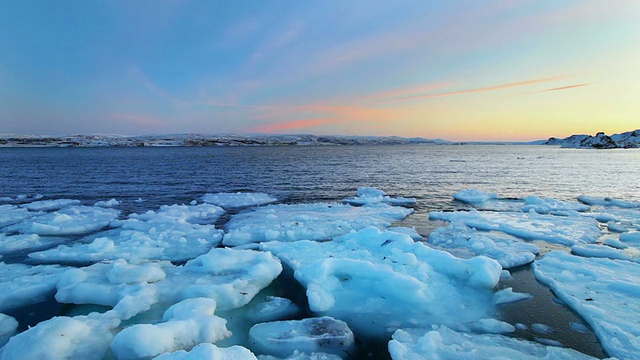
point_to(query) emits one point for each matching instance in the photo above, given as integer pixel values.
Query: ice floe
(77, 338)
(173, 233)
(8, 326)
(369, 195)
(32, 242)
(23, 284)
(564, 230)
(107, 203)
(231, 277)
(606, 201)
(238, 199)
(507, 295)
(474, 196)
(603, 251)
(49, 205)
(11, 214)
(273, 308)
(72, 220)
(184, 325)
(208, 351)
(508, 250)
(604, 292)
(552, 206)
(317, 221)
(282, 338)
(444, 343)
(378, 281)
(542, 205)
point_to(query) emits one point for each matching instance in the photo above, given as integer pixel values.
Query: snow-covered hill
(204, 140)
(629, 139)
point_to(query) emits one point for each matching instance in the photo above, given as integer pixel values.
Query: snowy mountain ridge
(629, 139)
(205, 140)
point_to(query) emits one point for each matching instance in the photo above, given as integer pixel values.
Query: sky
(458, 70)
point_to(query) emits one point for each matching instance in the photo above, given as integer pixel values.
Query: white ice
(77, 338)
(11, 214)
(604, 292)
(370, 195)
(49, 205)
(323, 334)
(32, 242)
(507, 295)
(107, 204)
(303, 356)
(378, 281)
(206, 351)
(603, 251)
(8, 326)
(552, 206)
(72, 220)
(318, 221)
(238, 199)
(273, 308)
(24, 284)
(564, 230)
(184, 325)
(606, 201)
(173, 233)
(542, 329)
(231, 277)
(474, 196)
(444, 343)
(508, 250)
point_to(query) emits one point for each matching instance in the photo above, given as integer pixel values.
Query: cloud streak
(561, 88)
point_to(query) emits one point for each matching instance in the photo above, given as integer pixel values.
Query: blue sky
(460, 70)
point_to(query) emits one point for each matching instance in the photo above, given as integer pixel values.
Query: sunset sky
(459, 70)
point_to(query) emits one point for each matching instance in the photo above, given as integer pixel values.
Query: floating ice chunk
(508, 250)
(508, 296)
(369, 195)
(107, 204)
(24, 284)
(11, 214)
(605, 201)
(505, 275)
(239, 199)
(125, 287)
(474, 196)
(207, 351)
(49, 205)
(631, 238)
(31, 242)
(192, 214)
(378, 281)
(231, 277)
(542, 329)
(615, 227)
(601, 251)
(579, 327)
(73, 220)
(615, 243)
(274, 308)
(604, 292)
(303, 356)
(551, 206)
(564, 230)
(318, 221)
(492, 326)
(184, 325)
(444, 343)
(549, 342)
(282, 338)
(173, 233)
(77, 338)
(8, 326)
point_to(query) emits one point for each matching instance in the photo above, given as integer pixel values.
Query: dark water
(431, 174)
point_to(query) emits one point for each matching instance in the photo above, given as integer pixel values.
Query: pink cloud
(562, 88)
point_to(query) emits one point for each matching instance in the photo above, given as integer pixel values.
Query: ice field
(242, 275)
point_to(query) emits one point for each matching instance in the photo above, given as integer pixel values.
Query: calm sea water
(431, 174)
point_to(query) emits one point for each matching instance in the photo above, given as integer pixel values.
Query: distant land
(626, 140)
(629, 139)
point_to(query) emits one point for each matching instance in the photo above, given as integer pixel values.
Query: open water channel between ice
(534, 213)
